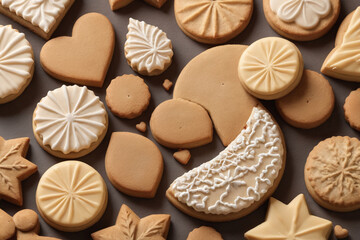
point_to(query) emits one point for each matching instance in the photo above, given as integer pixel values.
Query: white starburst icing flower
(147, 48)
(70, 118)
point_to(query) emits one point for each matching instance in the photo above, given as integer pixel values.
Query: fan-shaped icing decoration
(71, 195)
(70, 119)
(305, 13)
(240, 175)
(147, 48)
(16, 61)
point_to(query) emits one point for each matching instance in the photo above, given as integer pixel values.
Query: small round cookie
(270, 68)
(26, 220)
(301, 20)
(213, 22)
(351, 109)
(70, 122)
(71, 196)
(16, 63)
(313, 92)
(332, 174)
(128, 96)
(204, 233)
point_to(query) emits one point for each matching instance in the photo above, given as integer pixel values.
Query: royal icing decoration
(16, 61)
(147, 48)
(70, 119)
(238, 176)
(305, 13)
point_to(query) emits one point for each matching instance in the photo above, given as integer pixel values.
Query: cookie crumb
(167, 84)
(340, 232)
(141, 126)
(182, 156)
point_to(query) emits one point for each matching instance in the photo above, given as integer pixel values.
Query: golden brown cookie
(116, 4)
(129, 226)
(156, 3)
(167, 84)
(340, 232)
(213, 22)
(128, 96)
(182, 156)
(332, 174)
(351, 109)
(204, 233)
(134, 164)
(301, 20)
(313, 92)
(7, 225)
(141, 127)
(179, 123)
(83, 58)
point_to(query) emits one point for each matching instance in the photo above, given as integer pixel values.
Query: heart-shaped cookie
(340, 232)
(83, 58)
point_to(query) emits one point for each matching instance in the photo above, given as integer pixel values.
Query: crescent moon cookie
(301, 20)
(332, 172)
(239, 179)
(343, 62)
(41, 17)
(270, 68)
(70, 122)
(147, 48)
(16, 63)
(71, 196)
(213, 21)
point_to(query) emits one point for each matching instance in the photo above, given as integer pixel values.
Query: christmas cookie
(313, 92)
(204, 233)
(301, 20)
(134, 164)
(71, 196)
(213, 22)
(41, 17)
(147, 48)
(116, 4)
(16, 63)
(83, 58)
(332, 174)
(351, 109)
(270, 68)
(239, 179)
(70, 122)
(128, 96)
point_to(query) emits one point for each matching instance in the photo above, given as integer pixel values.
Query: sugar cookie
(141, 127)
(340, 232)
(351, 109)
(116, 4)
(7, 224)
(182, 156)
(204, 233)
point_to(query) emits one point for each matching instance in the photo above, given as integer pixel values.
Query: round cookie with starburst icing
(70, 122)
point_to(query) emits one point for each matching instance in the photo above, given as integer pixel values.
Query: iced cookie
(16, 63)
(270, 68)
(7, 225)
(71, 196)
(70, 122)
(128, 96)
(179, 123)
(129, 226)
(351, 109)
(213, 22)
(116, 4)
(239, 179)
(147, 49)
(182, 156)
(292, 221)
(313, 92)
(301, 20)
(41, 17)
(83, 58)
(14, 168)
(134, 164)
(331, 174)
(343, 61)
(204, 233)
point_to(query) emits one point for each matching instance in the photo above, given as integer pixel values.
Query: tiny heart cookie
(340, 232)
(83, 58)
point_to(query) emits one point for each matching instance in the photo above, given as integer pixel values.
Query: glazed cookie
(331, 174)
(313, 92)
(270, 68)
(292, 221)
(343, 61)
(301, 20)
(41, 17)
(128, 96)
(213, 22)
(179, 123)
(116, 4)
(71, 196)
(239, 179)
(70, 122)
(133, 164)
(147, 48)
(16, 63)
(351, 109)
(129, 226)
(204, 233)
(83, 58)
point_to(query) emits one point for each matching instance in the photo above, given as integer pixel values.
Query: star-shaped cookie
(14, 168)
(129, 226)
(292, 221)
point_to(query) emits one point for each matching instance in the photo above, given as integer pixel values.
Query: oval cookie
(351, 109)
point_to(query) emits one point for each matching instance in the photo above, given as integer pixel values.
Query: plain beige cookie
(351, 109)
(204, 233)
